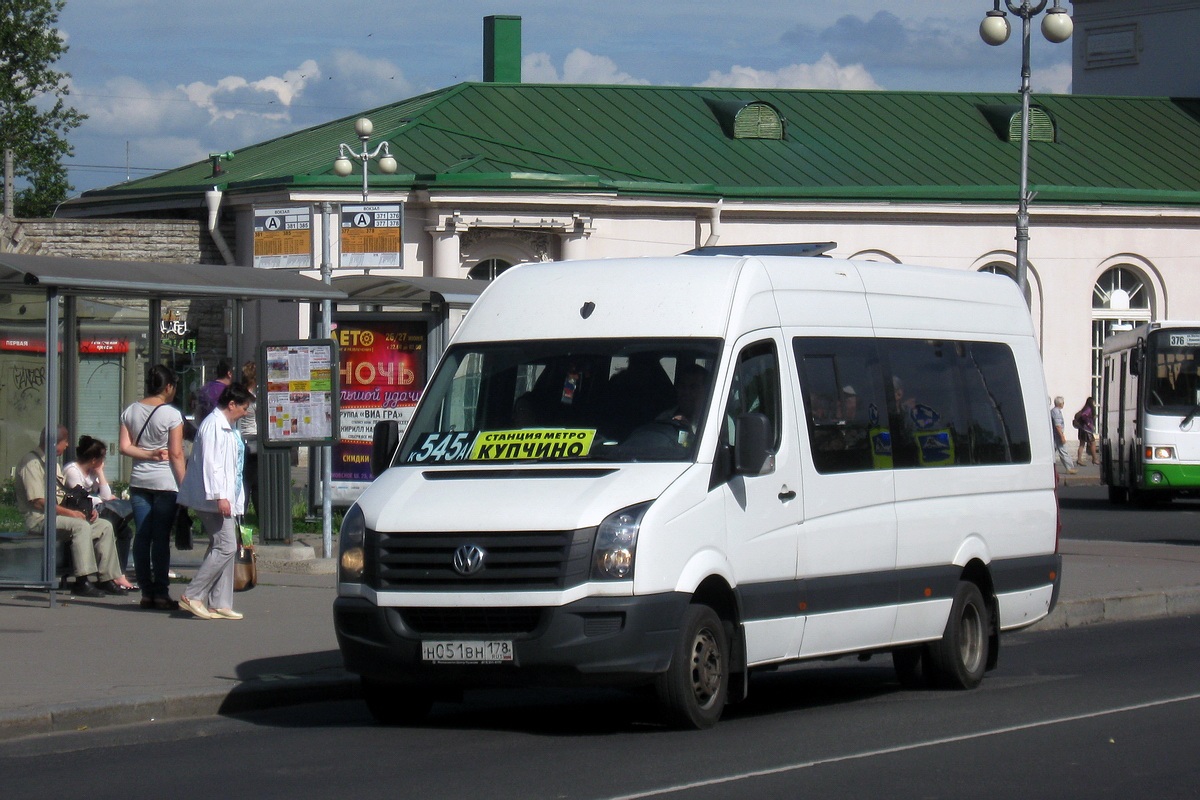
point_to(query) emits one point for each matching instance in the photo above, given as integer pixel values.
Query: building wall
(1142, 48)
(176, 240)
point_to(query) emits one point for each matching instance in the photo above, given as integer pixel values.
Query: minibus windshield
(564, 400)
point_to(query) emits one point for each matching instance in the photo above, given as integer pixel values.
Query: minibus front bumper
(597, 640)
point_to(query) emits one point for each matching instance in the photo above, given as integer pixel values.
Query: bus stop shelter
(45, 303)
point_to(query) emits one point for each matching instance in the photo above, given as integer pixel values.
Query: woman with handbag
(213, 489)
(152, 435)
(87, 473)
(1085, 423)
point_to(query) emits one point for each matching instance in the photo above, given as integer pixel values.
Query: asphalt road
(1101, 711)
(1087, 514)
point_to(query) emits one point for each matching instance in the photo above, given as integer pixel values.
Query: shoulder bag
(76, 498)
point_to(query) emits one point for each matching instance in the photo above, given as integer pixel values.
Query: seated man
(93, 549)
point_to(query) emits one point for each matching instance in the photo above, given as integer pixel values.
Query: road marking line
(683, 787)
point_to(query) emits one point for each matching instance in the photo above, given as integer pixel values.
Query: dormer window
(748, 119)
(1006, 122)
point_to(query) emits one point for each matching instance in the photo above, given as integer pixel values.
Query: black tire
(393, 704)
(960, 657)
(912, 666)
(1117, 495)
(694, 688)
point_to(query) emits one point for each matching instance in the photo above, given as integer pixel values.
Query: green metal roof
(646, 140)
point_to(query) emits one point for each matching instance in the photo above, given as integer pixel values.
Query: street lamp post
(343, 166)
(994, 30)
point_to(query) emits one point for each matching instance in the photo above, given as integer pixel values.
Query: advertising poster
(382, 374)
(301, 398)
(371, 236)
(283, 238)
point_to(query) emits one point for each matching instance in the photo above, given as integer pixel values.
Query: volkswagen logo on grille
(468, 559)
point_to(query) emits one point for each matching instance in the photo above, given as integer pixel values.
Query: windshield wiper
(1191, 416)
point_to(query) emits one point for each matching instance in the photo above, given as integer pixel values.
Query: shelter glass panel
(22, 417)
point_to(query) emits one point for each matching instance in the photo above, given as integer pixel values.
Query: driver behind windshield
(691, 390)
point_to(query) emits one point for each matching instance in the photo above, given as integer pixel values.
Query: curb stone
(245, 698)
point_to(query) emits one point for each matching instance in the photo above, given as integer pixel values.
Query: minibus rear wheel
(694, 688)
(960, 657)
(394, 704)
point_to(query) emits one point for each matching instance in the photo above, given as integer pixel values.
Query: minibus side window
(841, 383)
(955, 403)
(755, 389)
(927, 421)
(999, 431)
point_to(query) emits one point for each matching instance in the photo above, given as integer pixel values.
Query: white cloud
(356, 81)
(579, 66)
(124, 105)
(538, 68)
(1054, 79)
(234, 96)
(826, 73)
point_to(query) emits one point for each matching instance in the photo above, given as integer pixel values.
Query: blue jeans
(154, 518)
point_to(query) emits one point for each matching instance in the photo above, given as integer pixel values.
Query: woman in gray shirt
(152, 435)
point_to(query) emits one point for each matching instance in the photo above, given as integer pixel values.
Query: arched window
(999, 268)
(488, 269)
(1120, 300)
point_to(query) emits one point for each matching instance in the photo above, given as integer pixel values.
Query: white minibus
(674, 472)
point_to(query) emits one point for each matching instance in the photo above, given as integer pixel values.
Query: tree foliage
(34, 117)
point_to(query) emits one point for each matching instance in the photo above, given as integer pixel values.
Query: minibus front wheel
(960, 657)
(694, 688)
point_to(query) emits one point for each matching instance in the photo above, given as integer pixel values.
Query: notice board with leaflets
(298, 401)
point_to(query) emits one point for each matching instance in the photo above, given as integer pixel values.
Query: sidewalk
(1085, 475)
(87, 664)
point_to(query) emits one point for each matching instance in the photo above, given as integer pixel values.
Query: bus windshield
(1173, 362)
(564, 400)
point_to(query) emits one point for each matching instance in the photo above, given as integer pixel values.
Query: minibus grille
(461, 621)
(511, 560)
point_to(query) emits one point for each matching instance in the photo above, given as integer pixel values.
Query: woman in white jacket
(212, 487)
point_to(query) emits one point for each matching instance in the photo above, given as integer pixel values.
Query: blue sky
(166, 82)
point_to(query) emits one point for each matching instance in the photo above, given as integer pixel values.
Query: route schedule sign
(283, 238)
(371, 236)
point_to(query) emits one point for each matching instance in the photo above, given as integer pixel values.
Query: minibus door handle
(786, 494)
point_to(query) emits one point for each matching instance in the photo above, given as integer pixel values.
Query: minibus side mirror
(753, 436)
(385, 438)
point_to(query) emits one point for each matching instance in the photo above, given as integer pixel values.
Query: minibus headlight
(1160, 453)
(616, 544)
(351, 540)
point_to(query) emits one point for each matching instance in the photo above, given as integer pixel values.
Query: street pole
(343, 165)
(994, 30)
(1023, 201)
(327, 333)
